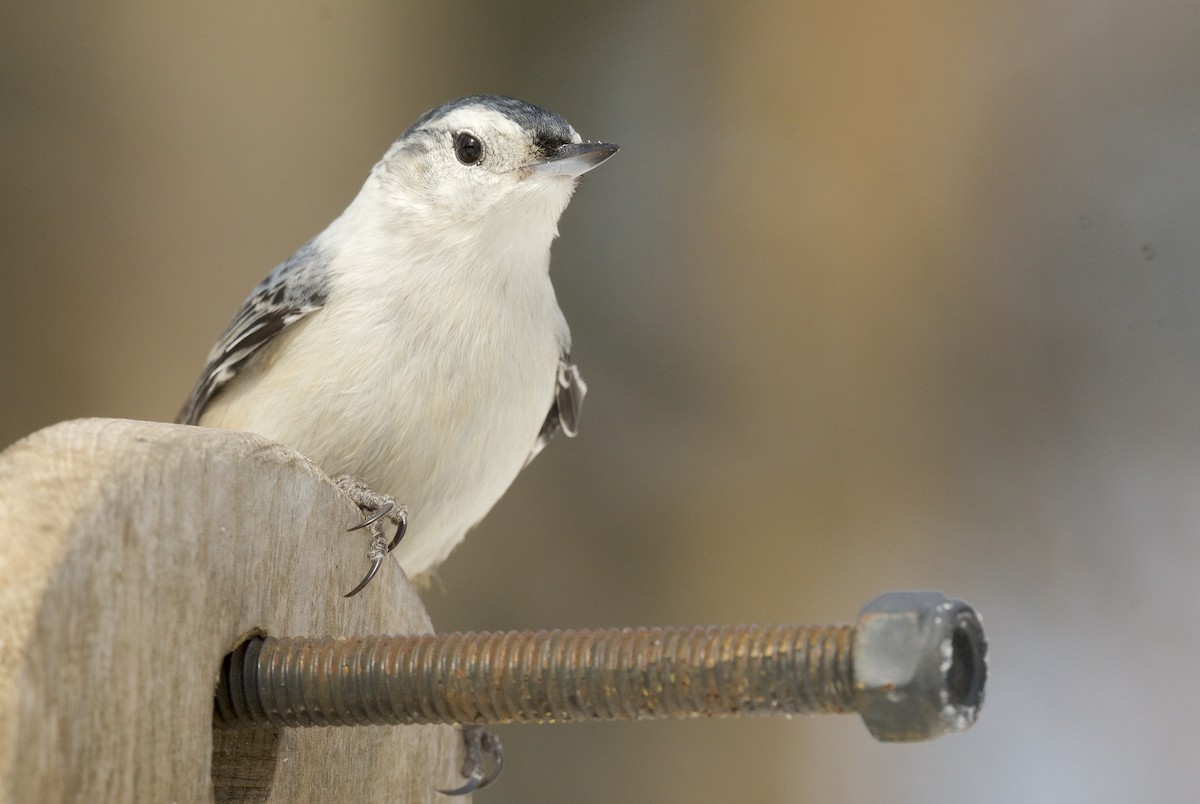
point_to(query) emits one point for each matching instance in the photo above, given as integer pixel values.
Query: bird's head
(485, 162)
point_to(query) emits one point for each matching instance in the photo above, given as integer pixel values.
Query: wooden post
(133, 557)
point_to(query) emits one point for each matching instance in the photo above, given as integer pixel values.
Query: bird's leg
(377, 507)
(476, 741)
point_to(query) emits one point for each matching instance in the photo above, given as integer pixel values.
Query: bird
(415, 346)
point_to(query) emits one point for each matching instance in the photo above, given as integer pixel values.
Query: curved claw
(474, 782)
(375, 565)
(491, 744)
(401, 528)
(383, 511)
(478, 740)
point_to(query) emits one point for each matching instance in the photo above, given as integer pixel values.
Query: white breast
(439, 409)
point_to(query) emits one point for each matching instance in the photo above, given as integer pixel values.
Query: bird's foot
(476, 741)
(376, 507)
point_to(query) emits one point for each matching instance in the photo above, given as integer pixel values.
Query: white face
(478, 164)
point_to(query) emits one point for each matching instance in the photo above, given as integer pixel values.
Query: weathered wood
(133, 557)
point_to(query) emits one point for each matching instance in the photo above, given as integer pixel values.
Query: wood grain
(133, 557)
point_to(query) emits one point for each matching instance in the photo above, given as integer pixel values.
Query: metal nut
(920, 665)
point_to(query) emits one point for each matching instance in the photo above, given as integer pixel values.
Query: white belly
(441, 414)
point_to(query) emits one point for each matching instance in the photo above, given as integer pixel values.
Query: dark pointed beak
(574, 158)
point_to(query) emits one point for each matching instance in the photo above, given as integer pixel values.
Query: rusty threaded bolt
(914, 666)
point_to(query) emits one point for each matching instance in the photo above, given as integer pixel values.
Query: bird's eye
(467, 148)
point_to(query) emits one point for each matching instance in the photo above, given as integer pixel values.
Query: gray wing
(292, 291)
(569, 389)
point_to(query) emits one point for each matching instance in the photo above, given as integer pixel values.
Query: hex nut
(920, 666)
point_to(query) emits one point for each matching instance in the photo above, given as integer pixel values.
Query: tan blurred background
(876, 296)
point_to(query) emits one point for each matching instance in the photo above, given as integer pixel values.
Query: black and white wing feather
(296, 288)
(569, 389)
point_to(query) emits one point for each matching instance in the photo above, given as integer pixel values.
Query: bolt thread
(538, 676)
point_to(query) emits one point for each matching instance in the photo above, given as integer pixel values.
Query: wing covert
(296, 288)
(569, 390)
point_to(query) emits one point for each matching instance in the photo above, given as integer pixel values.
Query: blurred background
(876, 296)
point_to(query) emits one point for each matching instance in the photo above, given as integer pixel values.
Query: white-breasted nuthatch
(416, 343)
